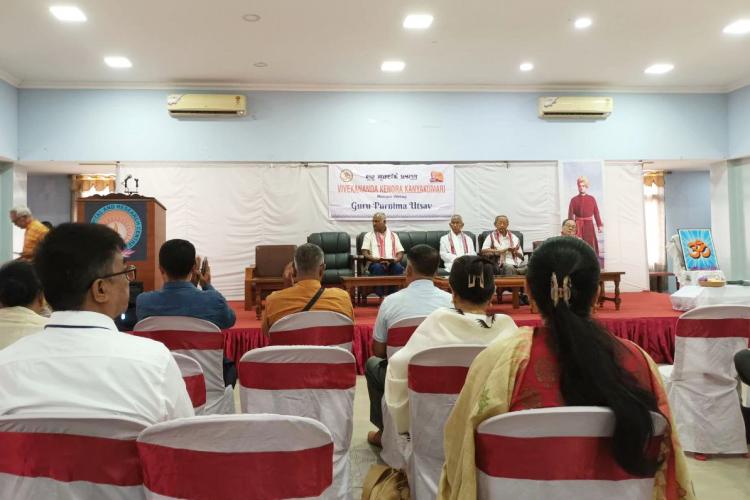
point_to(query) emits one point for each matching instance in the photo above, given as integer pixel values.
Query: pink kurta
(584, 210)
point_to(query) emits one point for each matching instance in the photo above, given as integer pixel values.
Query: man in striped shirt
(35, 230)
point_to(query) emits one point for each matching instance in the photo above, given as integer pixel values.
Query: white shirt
(17, 322)
(442, 327)
(458, 245)
(504, 243)
(420, 298)
(81, 363)
(370, 242)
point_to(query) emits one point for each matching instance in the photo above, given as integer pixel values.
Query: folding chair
(307, 381)
(400, 333)
(262, 457)
(436, 377)
(200, 340)
(556, 453)
(70, 456)
(324, 328)
(702, 385)
(195, 382)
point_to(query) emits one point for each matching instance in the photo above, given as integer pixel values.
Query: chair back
(556, 453)
(313, 328)
(436, 377)
(195, 382)
(270, 260)
(70, 456)
(198, 339)
(262, 457)
(337, 255)
(702, 387)
(400, 332)
(308, 381)
(484, 234)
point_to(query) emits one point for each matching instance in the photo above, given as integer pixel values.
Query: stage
(646, 318)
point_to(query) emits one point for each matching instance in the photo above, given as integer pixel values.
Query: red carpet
(646, 318)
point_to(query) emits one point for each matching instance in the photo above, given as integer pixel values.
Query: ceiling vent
(575, 107)
(206, 105)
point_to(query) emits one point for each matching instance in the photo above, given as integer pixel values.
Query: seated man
(382, 249)
(569, 228)
(455, 244)
(504, 249)
(80, 362)
(306, 292)
(179, 296)
(419, 298)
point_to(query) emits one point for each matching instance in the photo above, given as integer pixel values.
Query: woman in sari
(570, 361)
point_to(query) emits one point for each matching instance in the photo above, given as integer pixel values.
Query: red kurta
(584, 210)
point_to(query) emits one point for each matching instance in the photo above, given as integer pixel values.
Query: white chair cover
(70, 456)
(549, 453)
(195, 382)
(436, 377)
(313, 328)
(261, 457)
(308, 381)
(200, 340)
(702, 383)
(400, 332)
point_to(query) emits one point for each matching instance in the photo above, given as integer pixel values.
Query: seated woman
(21, 302)
(571, 361)
(473, 286)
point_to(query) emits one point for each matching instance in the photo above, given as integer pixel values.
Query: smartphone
(204, 265)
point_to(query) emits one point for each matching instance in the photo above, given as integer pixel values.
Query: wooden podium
(142, 223)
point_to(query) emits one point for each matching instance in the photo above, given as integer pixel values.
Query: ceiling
(339, 44)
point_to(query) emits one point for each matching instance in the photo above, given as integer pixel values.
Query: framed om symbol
(698, 249)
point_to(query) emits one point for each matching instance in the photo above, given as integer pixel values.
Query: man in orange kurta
(35, 230)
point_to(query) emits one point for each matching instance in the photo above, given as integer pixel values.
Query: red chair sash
(201, 475)
(68, 457)
(316, 335)
(196, 389)
(399, 336)
(437, 379)
(288, 376)
(713, 328)
(179, 340)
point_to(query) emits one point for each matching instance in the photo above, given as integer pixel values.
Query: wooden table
(515, 283)
(352, 283)
(613, 276)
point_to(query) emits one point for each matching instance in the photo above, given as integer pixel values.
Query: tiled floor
(715, 479)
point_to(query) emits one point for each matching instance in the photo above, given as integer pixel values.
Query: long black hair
(591, 370)
(471, 278)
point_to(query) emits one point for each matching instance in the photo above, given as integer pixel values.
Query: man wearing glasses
(34, 230)
(80, 362)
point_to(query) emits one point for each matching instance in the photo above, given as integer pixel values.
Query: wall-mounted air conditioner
(206, 105)
(575, 107)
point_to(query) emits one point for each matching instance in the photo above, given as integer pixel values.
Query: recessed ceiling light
(261, 64)
(527, 66)
(582, 23)
(393, 66)
(659, 69)
(68, 13)
(117, 62)
(417, 21)
(739, 27)
(251, 18)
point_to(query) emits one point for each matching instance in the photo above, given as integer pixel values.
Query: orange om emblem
(699, 249)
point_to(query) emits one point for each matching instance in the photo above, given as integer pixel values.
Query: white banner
(417, 192)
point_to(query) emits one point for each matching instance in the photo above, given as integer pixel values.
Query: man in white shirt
(419, 298)
(504, 248)
(382, 249)
(456, 243)
(80, 363)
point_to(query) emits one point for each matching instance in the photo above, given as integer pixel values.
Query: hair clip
(560, 292)
(473, 280)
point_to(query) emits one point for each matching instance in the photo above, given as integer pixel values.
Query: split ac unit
(206, 105)
(575, 107)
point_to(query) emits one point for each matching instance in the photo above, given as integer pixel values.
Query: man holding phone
(183, 273)
(382, 249)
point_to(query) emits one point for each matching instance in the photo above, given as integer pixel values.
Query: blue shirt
(182, 298)
(420, 298)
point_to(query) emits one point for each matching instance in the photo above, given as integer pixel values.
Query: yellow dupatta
(488, 391)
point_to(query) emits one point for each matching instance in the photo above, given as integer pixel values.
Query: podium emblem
(123, 219)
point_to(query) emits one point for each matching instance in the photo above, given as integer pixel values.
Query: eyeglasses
(129, 273)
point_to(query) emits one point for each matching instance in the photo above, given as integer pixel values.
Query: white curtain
(228, 209)
(653, 203)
